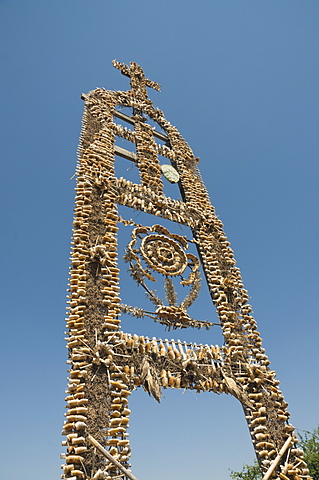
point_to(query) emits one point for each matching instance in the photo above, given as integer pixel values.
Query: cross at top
(137, 78)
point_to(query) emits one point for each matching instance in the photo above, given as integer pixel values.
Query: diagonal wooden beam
(107, 455)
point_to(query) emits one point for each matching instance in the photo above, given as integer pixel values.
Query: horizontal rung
(124, 117)
(122, 152)
(128, 119)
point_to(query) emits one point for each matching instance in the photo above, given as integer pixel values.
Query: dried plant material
(134, 311)
(235, 390)
(105, 363)
(151, 294)
(173, 317)
(170, 291)
(149, 380)
(193, 294)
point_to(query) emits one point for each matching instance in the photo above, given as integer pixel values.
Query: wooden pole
(277, 459)
(110, 457)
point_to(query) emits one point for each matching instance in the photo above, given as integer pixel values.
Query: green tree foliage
(249, 472)
(308, 441)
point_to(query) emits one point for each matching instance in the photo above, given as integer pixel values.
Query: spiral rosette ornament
(163, 252)
(164, 255)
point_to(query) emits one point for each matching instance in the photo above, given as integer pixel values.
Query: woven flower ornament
(156, 249)
(163, 252)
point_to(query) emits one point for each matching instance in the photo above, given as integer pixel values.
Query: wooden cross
(137, 77)
(106, 363)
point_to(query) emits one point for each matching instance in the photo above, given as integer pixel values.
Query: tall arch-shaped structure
(106, 363)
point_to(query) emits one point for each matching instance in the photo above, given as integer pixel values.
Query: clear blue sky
(240, 80)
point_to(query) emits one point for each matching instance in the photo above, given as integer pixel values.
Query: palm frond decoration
(193, 293)
(170, 291)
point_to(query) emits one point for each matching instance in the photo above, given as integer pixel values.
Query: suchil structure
(106, 363)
